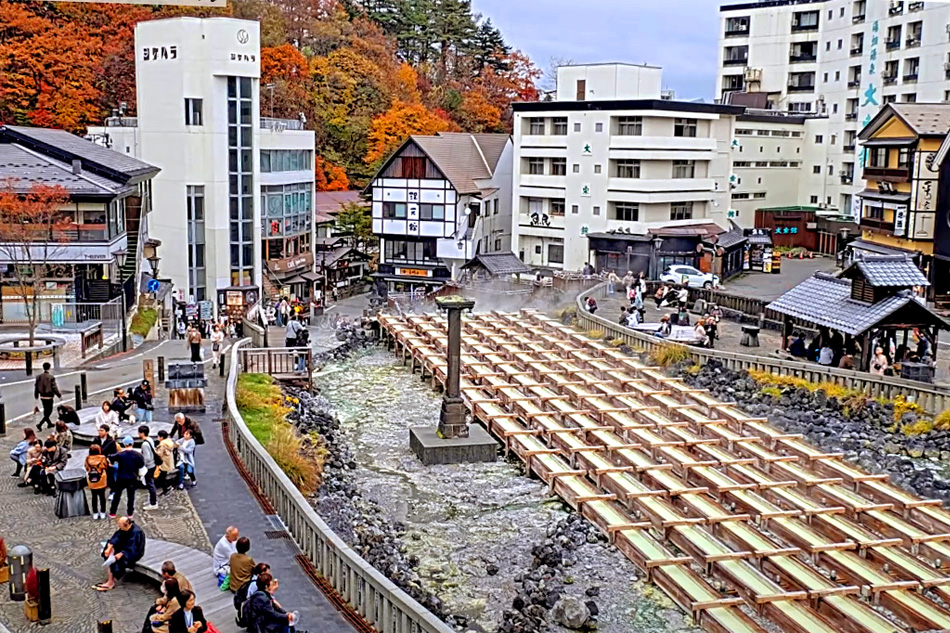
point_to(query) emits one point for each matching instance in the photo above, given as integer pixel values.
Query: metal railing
(279, 125)
(367, 591)
(933, 400)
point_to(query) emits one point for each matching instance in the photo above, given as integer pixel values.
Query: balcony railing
(912, 42)
(849, 147)
(890, 174)
(915, 6)
(858, 19)
(889, 80)
(912, 77)
(739, 61)
(121, 121)
(737, 32)
(801, 87)
(798, 28)
(897, 8)
(892, 44)
(56, 236)
(802, 57)
(851, 116)
(877, 225)
(279, 125)
(855, 83)
(857, 50)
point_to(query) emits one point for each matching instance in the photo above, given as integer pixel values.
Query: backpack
(303, 338)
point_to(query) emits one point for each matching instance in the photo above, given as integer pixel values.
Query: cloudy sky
(679, 35)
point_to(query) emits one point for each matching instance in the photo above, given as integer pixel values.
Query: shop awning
(879, 249)
(310, 276)
(874, 194)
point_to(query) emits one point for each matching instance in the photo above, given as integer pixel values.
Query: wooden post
(866, 353)
(78, 397)
(786, 330)
(161, 369)
(148, 370)
(82, 383)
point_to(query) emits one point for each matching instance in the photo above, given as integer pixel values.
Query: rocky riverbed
(860, 429)
(482, 545)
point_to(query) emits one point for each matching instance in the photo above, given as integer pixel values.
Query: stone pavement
(222, 498)
(769, 287)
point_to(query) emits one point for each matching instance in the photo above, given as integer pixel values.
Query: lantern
(21, 562)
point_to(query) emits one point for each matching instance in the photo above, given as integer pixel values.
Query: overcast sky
(679, 35)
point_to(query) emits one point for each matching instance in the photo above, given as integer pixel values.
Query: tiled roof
(890, 271)
(826, 300)
(71, 147)
(925, 118)
(499, 263)
(464, 158)
(25, 168)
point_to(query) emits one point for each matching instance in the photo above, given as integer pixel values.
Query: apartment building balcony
(846, 180)
(738, 61)
(915, 6)
(892, 44)
(669, 143)
(279, 125)
(858, 19)
(851, 116)
(849, 147)
(912, 42)
(737, 32)
(804, 28)
(889, 80)
(802, 58)
(546, 140)
(855, 83)
(888, 174)
(877, 225)
(911, 78)
(542, 180)
(801, 87)
(856, 51)
(896, 8)
(654, 185)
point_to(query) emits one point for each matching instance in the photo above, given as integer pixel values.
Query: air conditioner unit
(755, 74)
(822, 205)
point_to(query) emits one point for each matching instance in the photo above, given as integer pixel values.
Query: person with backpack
(148, 454)
(303, 340)
(96, 465)
(292, 332)
(244, 593)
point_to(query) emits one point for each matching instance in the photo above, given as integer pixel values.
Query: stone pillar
(452, 420)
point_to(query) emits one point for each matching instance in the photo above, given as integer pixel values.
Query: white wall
(609, 81)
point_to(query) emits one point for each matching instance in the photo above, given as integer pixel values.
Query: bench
(218, 606)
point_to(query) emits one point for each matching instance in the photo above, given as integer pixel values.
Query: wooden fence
(934, 400)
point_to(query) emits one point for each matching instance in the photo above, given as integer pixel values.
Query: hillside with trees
(364, 73)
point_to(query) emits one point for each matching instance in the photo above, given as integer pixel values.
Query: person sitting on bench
(68, 415)
(42, 475)
(124, 549)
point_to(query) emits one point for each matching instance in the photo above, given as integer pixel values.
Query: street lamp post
(119, 257)
(657, 242)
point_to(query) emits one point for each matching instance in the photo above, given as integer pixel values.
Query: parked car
(693, 278)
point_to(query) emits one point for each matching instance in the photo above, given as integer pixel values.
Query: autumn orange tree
(32, 234)
(330, 177)
(401, 121)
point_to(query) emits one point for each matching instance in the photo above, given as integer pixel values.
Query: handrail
(367, 591)
(933, 400)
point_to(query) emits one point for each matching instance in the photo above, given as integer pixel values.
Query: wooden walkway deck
(718, 508)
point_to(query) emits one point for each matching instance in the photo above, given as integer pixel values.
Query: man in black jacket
(43, 475)
(44, 389)
(265, 614)
(125, 548)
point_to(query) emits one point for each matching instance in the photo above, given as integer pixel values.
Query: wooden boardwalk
(736, 521)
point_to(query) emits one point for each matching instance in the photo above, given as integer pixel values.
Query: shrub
(772, 391)
(615, 342)
(671, 355)
(595, 334)
(143, 321)
(919, 427)
(287, 448)
(902, 406)
(831, 389)
(942, 422)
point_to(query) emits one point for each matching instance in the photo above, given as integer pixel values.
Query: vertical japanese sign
(869, 97)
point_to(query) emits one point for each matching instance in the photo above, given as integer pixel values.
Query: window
(577, 127)
(558, 166)
(629, 126)
(394, 210)
(598, 127)
(946, 95)
(903, 158)
(834, 137)
(890, 98)
(837, 76)
(277, 160)
(596, 210)
(536, 166)
(911, 68)
(824, 78)
(759, 195)
(831, 170)
(626, 211)
(195, 195)
(241, 181)
(559, 126)
(877, 157)
(684, 127)
(576, 168)
(819, 139)
(536, 127)
(581, 89)
(910, 97)
(813, 200)
(628, 168)
(432, 211)
(840, 44)
(575, 209)
(557, 207)
(537, 249)
(684, 168)
(597, 169)
(421, 251)
(555, 253)
(681, 211)
(497, 243)
(193, 112)
(816, 169)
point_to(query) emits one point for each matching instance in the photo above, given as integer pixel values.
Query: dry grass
(595, 334)
(669, 355)
(942, 421)
(264, 410)
(831, 389)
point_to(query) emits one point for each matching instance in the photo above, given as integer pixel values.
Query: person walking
(292, 332)
(142, 397)
(148, 454)
(878, 362)
(96, 465)
(129, 468)
(194, 343)
(44, 389)
(217, 345)
(165, 455)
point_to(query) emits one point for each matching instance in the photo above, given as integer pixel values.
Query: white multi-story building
(228, 175)
(611, 154)
(840, 58)
(437, 202)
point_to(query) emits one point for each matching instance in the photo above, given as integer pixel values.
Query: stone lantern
(21, 562)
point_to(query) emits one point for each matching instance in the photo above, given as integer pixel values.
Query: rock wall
(860, 429)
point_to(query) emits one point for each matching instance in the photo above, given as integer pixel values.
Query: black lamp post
(119, 257)
(657, 242)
